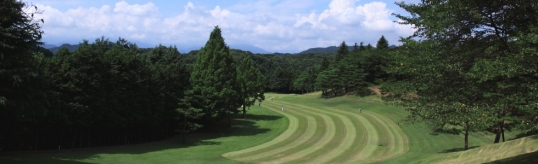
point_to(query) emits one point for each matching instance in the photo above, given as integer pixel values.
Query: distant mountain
(330, 49)
(48, 46)
(244, 47)
(251, 48)
(70, 47)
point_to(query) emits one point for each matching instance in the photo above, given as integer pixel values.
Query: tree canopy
(468, 66)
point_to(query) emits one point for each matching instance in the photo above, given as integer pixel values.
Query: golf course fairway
(327, 134)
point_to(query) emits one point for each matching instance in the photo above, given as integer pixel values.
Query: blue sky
(288, 26)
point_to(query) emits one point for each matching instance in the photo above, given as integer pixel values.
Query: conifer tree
(362, 47)
(251, 84)
(213, 79)
(382, 43)
(343, 50)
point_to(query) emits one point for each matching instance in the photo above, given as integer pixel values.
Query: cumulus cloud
(275, 26)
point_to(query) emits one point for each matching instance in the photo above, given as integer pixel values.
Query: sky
(285, 26)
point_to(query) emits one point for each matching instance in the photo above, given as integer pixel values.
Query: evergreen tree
(324, 64)
(355, 47)
(382, 43)
(213, 79)
(362, 47)
(251, 84)
(23, 88)
(342, 52)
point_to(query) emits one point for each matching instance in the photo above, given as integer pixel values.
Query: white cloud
(269, 24)
(136, 9)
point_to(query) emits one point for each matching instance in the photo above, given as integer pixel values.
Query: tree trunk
(229, 119)
(466, 135)
(125, 137)
(74, 139)
(100, 139)
(502, 131)
(497, 134)
(80, 140)
(244, 111)
(185, 130)
(35, 141)
(89, 137)
(61, 138)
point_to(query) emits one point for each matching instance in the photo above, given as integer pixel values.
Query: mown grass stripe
(324, 132)
(292, 130)
(300, 136)
(348, 131)
(372, 140)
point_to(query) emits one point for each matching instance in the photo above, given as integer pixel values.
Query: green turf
(260, 127)
(310, 130)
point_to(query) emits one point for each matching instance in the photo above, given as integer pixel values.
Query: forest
(480, 75)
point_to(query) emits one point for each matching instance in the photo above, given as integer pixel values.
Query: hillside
(70, 47)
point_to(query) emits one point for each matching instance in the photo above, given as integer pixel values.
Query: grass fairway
(333, 131)
(310, 130)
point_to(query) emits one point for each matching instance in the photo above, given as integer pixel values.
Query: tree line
(110, 93)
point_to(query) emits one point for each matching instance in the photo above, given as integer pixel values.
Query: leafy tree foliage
(23, 88)
(251, 84)
(471, 67)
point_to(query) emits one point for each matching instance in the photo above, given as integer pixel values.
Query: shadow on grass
(261, 117)
(51, 160)
(457, 149)
(523, 158)
(527, 134)
(240, 127)
(360, 93)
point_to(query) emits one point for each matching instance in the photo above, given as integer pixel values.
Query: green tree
(213, 79)
(342, 52)
(382, 43)
(23, 101)
(324, 64)
(473, 67)
(251, 84)
(362, 47)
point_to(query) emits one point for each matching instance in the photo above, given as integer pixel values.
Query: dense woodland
(479, 75)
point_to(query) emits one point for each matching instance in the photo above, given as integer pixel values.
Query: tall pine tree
(382, 43)
(213, 79)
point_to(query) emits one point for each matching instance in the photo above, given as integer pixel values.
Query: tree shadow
(363, 92)
(240, 127)
(457, 149)
(261, 117)
(532, 134)
(523, 158)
